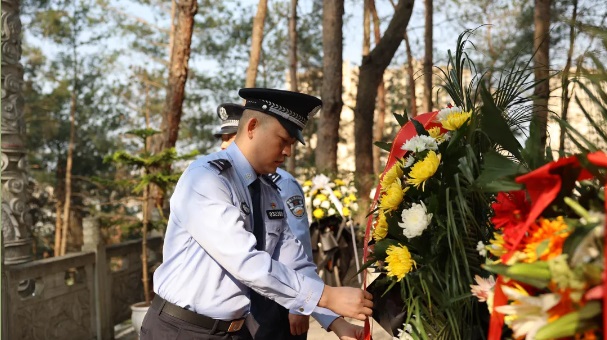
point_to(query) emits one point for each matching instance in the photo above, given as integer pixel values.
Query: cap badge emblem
(223, 114)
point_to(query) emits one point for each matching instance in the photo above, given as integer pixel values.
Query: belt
(162, 306)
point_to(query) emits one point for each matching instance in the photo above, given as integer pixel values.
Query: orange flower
(546, 239)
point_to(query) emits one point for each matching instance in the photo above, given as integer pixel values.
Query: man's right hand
(347, 301)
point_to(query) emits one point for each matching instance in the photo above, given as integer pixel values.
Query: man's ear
(252, 124)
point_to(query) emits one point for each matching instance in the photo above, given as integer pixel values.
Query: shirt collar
(241, 164)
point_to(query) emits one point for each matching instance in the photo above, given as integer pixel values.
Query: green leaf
(495, 126)
(419, 128)
(496, 167)
(401, 119)
(381, 247)
(383, 145)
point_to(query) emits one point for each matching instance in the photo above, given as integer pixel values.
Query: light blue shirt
(293, 199)
(297, 219)
(209, 256)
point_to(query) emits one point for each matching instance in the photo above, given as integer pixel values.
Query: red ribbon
(405, 133)
(543, 185)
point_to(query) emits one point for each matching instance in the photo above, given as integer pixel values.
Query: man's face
(271, 146)
(226, 140)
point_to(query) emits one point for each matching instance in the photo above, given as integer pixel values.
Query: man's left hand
(299, 323)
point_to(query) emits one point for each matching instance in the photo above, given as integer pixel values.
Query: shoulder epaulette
(271, 181)
(221, 164)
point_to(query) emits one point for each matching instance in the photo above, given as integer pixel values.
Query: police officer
(228, 238)
(275, 321)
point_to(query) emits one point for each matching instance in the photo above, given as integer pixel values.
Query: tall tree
(411, 78)
(371, 72)
(293, 72)
(379, 126)
(180, 42)
(541, 60)
(565, 98)
(256, 41)
(328, 123)
(428, 45)
(183, 22)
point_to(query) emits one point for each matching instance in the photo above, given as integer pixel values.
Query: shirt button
(301, 309)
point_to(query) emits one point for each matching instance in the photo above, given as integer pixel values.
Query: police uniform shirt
(209, 255)
(297, 219)
(293, 198)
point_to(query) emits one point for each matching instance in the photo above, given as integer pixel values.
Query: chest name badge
(296, 205)
(275, 214)
(245, 208)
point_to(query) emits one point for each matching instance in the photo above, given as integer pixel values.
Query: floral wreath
(326, 197)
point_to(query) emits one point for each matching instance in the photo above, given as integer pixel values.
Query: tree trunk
(178, 71)
(565, 98)
(428, 44)
(185, 10)
(541, 67)
(366, 27)
(70, 155)
(256, 40)
(411, 77)
(291, 161)
(378, 134)
(371, 73)
(328, 123)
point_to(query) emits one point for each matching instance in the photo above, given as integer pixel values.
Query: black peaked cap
(229, 114)
(292, 109)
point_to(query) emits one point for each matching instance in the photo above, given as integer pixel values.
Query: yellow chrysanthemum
(436, 134)
(455, 120)
(347, 201)
(352, 197)
(395, 172)
(339, 182)
(381, 227)
(345, 212)
(422, 170)
(392, 197)
(554, 232)
(321, 197)
(307, 183)
(318, 213)
(399, 261)
(497, 245)
(337, 193)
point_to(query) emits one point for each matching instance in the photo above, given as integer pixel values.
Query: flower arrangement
(326, 197)
(548, 253)
(433, 201)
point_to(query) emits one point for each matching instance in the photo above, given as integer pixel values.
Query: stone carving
(15, 218)
(64, 317)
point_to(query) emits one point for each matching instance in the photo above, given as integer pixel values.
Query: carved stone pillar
(16, 220)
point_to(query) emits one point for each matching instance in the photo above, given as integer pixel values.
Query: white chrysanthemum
(354, 206)
(409, 161)
(305, 188)
(325, 204)
(446, 136)
(415, 220)
(404, 333)
(442, 114)
(343, 189)
(331, 212)
(480, 247)
(316, 202)
(420, 143)
(320, 181)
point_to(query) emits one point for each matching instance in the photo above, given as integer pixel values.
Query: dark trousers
(273, 320)
(165, 327)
